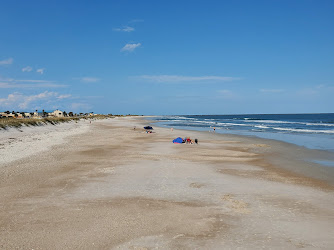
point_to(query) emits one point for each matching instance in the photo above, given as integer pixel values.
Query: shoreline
(310, 159)
(318, 141)
(118, 187)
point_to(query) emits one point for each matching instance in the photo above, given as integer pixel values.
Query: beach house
(57, 113)
(40, 114)
(27, 115)
(7, 114)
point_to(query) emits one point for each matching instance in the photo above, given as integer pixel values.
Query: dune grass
(17, 123)
(6, 123)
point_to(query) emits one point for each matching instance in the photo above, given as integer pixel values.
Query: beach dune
(106, 185)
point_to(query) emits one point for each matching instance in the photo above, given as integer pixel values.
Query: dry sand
(107, 186)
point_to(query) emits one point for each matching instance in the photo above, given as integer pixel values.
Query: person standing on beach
(214, 129)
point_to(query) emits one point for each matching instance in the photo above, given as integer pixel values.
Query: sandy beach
(106, 185)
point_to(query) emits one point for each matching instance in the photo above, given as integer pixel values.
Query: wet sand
(113, 187)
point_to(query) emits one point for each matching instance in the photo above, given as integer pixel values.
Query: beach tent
(148, 127)
(178, 140)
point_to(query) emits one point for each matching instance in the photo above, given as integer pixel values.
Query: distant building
(38, 115)
(57, 113)
(4, 114)
(27, 115)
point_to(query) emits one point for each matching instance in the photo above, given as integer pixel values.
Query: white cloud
(6, 85)
(320, 86)
(316, 90)
(130, 47)
(125, 29)
(64, 96)
(87, 79)
(227, 94)
(308, 92)
(10, 100)
(272, 90)
(38, 81)
(14, 83)
(6, 61)
(41, 71)
(27, 69)
(177, 78)
(225, 91)
(324, 87)
(20, 101)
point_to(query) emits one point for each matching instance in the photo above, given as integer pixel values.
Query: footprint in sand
(236, 205)
(262, 145)
(196, 185)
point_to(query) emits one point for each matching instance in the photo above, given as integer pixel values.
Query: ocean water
(315, 131)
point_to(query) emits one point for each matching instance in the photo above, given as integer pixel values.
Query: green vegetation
(17, 123)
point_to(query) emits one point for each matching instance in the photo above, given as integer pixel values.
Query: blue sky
(167, 57)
